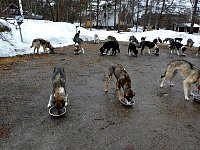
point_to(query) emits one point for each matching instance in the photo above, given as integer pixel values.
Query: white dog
(96, 39)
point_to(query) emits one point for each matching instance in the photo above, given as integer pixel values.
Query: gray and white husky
(187, 70)
(59, 96)
(37, 43)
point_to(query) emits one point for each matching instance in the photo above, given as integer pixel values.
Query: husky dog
(122, 81)
(198, 51)
(36, 43)
(151, 46)
(133, 39)
(132, 51)
(176, 47)
(78, 46)
(108, 45)
(96, 39)
(190, 43)
(111, 38)
(76, 36)
(59, 96)
(186, 69)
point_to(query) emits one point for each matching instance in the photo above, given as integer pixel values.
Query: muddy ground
(160, 119)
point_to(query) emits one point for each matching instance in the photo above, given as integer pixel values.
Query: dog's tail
(32, 45)
(163, 75)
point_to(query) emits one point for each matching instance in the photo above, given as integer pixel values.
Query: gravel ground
(160, 119)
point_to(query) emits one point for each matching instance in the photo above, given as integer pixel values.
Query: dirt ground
(160, 119)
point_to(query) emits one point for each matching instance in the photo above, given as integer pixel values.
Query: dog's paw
(161, 85)
(49, 105)
(187, 98)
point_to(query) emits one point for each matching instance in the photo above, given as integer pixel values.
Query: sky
(62, 33)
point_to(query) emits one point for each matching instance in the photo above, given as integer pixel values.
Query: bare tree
(193, 16)
(145, 15)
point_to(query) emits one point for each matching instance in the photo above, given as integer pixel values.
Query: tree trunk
(193, 17)
(97, 24)
(119, 17)
(145, 15)
(52, 16)
(160, 15)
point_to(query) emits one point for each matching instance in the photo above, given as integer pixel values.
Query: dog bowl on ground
(127, 104)
(54, 112)
(197, 99)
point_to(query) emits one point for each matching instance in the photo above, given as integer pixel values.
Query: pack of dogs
(111, 46)
(59, 96)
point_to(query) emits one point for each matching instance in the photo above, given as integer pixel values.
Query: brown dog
(122, 81)
(59, 96)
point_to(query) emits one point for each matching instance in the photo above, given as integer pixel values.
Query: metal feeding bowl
(197, 98)
(54, 112)
(127, 104)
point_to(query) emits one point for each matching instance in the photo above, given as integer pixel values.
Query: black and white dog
(133, 39)
(108, 45)
(59, 96)
(175, 47)
(190, 43)
(156, 40)
(151, 46)
(132, 51)
(78, 46)
(96, 39)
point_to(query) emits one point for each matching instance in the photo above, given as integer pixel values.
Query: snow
(62, 33)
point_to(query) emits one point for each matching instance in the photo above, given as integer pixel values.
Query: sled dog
(132, 51)
(122, 81)
(96, 39)
(107, 46)
(186, 69)
(59, 96)
(151, 46)
(36, 43)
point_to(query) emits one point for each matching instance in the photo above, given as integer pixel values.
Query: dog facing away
(107, 46)
(37, 43)
(191, 75)
(96, 39)
(151, 46)
(132, 51)
(59, 96)
(122, 81)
